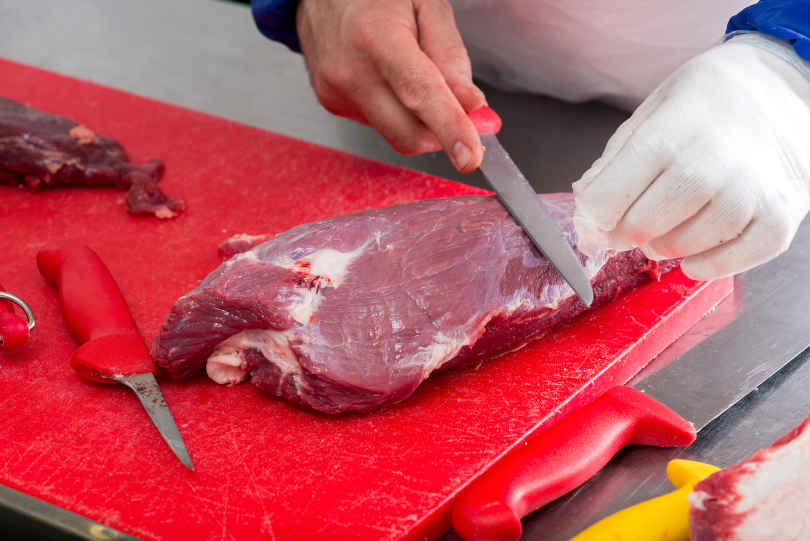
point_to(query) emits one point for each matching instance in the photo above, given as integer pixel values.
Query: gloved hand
(400, 66)
(714, 166)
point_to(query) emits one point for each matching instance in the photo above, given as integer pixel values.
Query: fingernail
(461, 155)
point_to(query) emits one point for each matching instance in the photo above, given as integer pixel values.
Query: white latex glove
(714, 166)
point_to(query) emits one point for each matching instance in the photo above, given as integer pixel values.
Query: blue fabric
(785, 19)
(276, 20)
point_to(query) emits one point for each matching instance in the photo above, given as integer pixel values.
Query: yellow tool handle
(665, 518)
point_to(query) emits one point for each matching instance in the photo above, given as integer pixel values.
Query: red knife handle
(13, 328)
(484, 119)
(95, 313)
(560, 459)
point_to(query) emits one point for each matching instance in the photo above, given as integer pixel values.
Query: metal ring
(29, 314)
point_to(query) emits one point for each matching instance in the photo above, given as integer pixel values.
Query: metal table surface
(207, 55)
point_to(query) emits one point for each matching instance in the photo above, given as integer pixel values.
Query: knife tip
(187, 462)
(585, 294)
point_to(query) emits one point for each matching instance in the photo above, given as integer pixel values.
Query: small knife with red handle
(112, 350)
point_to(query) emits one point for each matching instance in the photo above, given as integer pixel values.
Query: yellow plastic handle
(663, 518)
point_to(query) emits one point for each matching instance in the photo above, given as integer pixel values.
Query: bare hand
(398, 65)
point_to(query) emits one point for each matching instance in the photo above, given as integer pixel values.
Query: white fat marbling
(329, 267)
(308, 303)
(226, 365)
(697, 500)
(519, 299)
(332, 264)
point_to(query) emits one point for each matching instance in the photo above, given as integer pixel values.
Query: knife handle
(664, 517)
(561, 458)
(484, 119)
(95, 313)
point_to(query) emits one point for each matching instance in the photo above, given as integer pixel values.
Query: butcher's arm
(714, 166)
(397, 65)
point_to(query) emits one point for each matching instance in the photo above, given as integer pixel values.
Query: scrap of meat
(765, 497)
(240, 243)
(39, 150)
(354, 312)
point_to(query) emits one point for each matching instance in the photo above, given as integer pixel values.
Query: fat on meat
(763, 498)
(352, 313)
(39, 150)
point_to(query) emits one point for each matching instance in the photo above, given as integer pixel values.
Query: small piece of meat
(39, 150)
(240, 243)
(763, 498)
(354, 312)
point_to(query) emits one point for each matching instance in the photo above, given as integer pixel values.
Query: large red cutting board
(264, 469)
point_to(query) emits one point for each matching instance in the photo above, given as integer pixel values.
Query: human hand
(714, 166)
(398, 65)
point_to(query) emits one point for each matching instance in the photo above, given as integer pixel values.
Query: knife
(520, 199)
(112, 349)
(561, 458)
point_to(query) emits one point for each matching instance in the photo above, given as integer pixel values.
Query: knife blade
(520, 199)
(112, 349)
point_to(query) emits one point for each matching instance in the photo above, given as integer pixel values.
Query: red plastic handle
(484, 119)
(13, 328)
(560, 459)
(96, 314)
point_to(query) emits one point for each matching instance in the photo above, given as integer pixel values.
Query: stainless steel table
(207, 55)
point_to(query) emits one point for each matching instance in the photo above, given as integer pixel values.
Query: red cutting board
(265, 469)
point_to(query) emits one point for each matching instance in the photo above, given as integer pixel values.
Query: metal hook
(29, 314)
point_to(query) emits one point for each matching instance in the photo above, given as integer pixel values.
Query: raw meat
(354, 312)
(764, 497)
(39, 150)
(240, 243)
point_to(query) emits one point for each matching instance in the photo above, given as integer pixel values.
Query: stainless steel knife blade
(520, 199)
(148, 392)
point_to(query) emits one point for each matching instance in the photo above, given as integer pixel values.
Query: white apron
(615, 51)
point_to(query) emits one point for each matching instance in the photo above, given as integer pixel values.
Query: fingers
(721, 220)
(765, 237)
(609, 192)
(401, 67)
(421, 88)
(403, 131)
(441, 42)
(678, 193)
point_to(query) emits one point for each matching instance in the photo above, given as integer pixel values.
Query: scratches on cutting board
(254, 491)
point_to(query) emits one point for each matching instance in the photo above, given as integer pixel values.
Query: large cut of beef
(763, 498)
(354, 312)
(39, 150)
